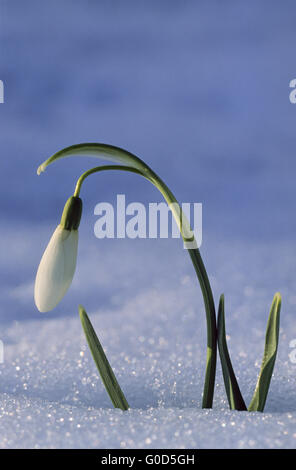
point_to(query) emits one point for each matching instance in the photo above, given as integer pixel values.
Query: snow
(154, 336)
(201, 94)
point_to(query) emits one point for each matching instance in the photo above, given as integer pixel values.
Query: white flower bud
(56, 269)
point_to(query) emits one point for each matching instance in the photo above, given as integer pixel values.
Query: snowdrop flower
(57, 265)
(126, 161)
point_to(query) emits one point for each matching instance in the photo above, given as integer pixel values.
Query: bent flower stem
(134, 164)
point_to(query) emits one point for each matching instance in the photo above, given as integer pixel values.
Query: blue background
(198, 89)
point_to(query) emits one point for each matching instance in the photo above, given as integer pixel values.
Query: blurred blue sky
(198, 89)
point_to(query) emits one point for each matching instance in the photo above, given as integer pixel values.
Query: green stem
(102, 168)
(200, 271)
(136, 165)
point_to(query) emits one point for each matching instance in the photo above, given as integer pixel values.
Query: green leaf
(269, 356)
(98, 150)
(235, 399)
(107, 375)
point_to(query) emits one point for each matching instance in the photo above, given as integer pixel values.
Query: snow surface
(154, 336)
(201, 93)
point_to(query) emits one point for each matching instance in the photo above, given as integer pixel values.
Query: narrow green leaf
(235, 399)
(107, 375)
(269, 356)
(98, 150)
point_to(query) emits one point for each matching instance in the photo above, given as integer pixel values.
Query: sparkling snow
(200, 91)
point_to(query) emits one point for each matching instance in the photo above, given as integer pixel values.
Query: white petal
(56, 269)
